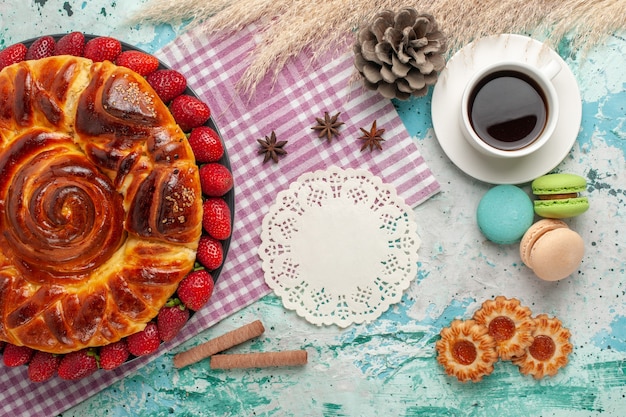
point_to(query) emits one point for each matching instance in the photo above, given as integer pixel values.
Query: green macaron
(558, 196)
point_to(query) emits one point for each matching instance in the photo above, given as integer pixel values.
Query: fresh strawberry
(102, 48)
(43, 366)
(140, 62)
(12, 54)
(70, 44)
(215, 179)
(196, 289)
(189, 112)
(206, 144)
(172, 317)
(114, 354)
(78, 364)
(167, 83)
(145, 341)
(17, 355)
(210, 253)
(216, 218)
(41, 48)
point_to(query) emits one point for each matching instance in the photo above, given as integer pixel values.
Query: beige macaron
(551, 249)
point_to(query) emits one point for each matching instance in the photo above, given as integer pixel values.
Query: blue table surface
(389, 366)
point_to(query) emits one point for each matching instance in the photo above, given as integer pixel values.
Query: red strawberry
(114, 354)
(167, 83)
(189, 112)
(140, 62)
(216, 218)
(17, 355)
(206, 144)
(215, 179)
(43, 366)
(12, 54)
(102, 48)
(78, 364)
(41, 48)
(172, 317)
(70, 44)
(145, 341)
(210, 253)
(195, 289)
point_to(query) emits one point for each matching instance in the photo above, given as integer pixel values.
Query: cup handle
(551, 69)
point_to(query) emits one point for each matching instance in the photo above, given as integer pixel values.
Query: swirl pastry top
(100, 204)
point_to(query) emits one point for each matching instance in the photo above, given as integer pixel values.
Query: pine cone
(400, 54)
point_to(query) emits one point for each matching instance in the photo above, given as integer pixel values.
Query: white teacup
(510, 109)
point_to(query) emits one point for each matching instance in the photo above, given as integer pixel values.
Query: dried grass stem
(292, 27)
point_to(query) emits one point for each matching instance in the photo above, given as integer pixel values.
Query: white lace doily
(339, 246)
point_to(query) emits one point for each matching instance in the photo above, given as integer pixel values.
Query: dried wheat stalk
(291, 27)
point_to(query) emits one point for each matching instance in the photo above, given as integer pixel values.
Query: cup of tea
(510, 109)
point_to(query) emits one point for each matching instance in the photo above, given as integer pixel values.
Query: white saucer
(446, 107)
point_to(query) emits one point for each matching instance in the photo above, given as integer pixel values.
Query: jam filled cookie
(549, 350)
(466, 350)
(509, 323)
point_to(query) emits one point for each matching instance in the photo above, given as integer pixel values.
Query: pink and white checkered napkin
(289, 107)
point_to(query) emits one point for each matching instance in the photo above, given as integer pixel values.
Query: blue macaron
(504, 214)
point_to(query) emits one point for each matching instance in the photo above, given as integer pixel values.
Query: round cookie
(504, 214)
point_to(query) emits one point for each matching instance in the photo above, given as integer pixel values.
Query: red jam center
(464, 352)
(501, 328)
(542, 348)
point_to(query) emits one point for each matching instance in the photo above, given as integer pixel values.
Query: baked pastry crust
(549, 351)
(509, 323)
(100, 204)
(466, 350)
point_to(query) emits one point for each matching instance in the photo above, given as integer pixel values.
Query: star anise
(373, 138)
(272, 148)
(328, 126)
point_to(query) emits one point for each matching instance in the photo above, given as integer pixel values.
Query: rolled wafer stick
(219, 344)
(259, 360)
